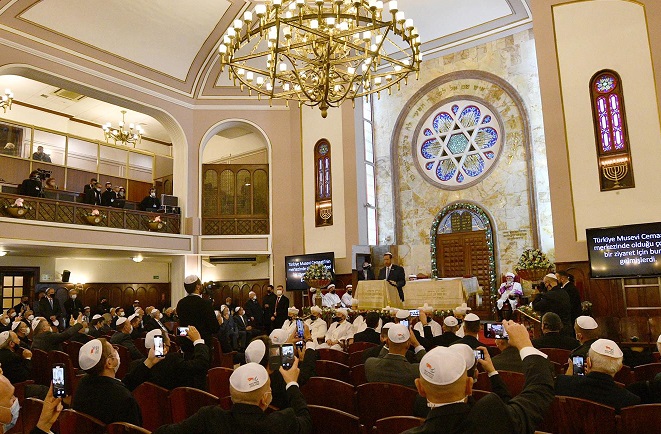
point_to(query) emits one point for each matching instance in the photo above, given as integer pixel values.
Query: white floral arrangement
(19, 203)
(317, 271)
(532, 259)
(157, 219)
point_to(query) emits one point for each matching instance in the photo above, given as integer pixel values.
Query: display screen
(625, 251)
(295, 267)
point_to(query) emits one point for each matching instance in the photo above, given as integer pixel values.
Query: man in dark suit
(508, 359)
(45, 339)
(280, 308)
(108, 197)
(93, 195)
(471, 331)
(89, 186)
(603, 362)
(31, 186)
(268, 304)
(449, 336)
(73, 306)
(554, 300)
(196, 311)
(445, 384)
(587, 333)
(567, 284)
(369, 334)
(552, 338)
(254, 311)
(393, 273)
(250, 388)
(23, 306)
(123, 337)
(366, 273)
(49, 307)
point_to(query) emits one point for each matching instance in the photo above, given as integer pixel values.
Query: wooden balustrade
(235, 226)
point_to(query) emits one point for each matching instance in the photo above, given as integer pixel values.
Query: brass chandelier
(321, 53)
(6, 100)
(132, 136)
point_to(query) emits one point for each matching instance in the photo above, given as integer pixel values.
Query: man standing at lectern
(393, 273)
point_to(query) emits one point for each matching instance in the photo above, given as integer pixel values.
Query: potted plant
(95, 217)
(18, 208)
(533, 265)
(317, 276)
(156, 224)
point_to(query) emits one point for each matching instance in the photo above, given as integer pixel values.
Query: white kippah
(387, 325)
(472, 317)
(450, 321)
(3, 337)
(332, 285)
(236, 309)
(149, 339)
(510, 274)
(349, 286)
(121, 320)
(466, 352)
(136, 301)
(191, 279)
(86, 307)
(552, 276)
(402, 314)
(90, 354)
(315, 309)
(398, 334)
(292, 310)
(249, 377)
(659, 339)
(132, 317)
(586, 322)
(97, 316)
(343, 311)
(36, 321)
(442, 366)
(279, 336)
(255, 351)
(15, 325)
(606, 347)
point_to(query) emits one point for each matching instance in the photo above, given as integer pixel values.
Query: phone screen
(158, 346)
(494, 330)
(182, 331)
(275, 359)
(578, 363)
(287, 355)
(300, 330)
(404, 322)
(58, 381)
(414, 312)
(479, 354)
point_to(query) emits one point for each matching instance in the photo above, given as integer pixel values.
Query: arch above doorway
(470, 225)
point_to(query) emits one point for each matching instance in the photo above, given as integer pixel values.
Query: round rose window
(458, 144)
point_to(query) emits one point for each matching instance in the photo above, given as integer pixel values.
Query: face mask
(254, 298)
(108, 188)
(313, 317)
(121, 314)
(30, 318)
(13, 314)
(15, 409)
(349, 292)
(336, 319)
(121, 193)
(73, 297)
(86, 330)
(366, 266)
(278, 292)
(152, 194)
(56, 323)
(98, 189)
(119, 361)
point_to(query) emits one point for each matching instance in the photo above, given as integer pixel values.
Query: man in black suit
(254, 311)
(587, 333)
(43, 338)
(366, 273)
(566, 283)
(23, 306)
(73, 307)
(471, 331)
(123, 337)
(603, 362)
(445, 384)
(250, 388)
(393, 273)
(31, 186)
(90, 186)
(196, 311)
(554, 300)
(151, 202)
(268, 304)
(508, 359)
(108, 197)
(280, 308)
(369, 334)
(93, 195)
(49, 307)
(552, 338)
(449, 336)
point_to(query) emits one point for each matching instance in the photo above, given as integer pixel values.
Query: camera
(44, 174)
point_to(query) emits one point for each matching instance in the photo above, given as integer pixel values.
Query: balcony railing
(48, 210)
(235, 226)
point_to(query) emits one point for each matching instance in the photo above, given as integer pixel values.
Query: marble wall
(515, 193)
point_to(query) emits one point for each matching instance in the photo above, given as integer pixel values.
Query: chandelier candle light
(7, 99)
(130, 137)
(320, 53)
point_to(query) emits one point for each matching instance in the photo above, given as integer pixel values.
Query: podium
(376, 294)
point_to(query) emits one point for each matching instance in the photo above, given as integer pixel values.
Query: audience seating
(640, 418)
(327, 420)
(557, 355)
(218, 380)
(375, 401)
(514, 381)
(220, 359)
(226, 402)
(637, 326)
(330, 369)
(333, 355)
(360, 346)
(358, 375)
(154, 405)
(580, 416)
(558, 368)
(625, 375)
(186, 401)
(140, 345)
(355, 359)
(75, 422)
(41, 370)
(125, 428)
(330, 392)
(493, 351)
(646, 372)
(125, 358)
(73, 349)
(655, 326)
(70, 379)
(479, 394)
(396, 424)
(30, 412)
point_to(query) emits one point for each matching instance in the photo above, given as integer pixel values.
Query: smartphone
(404, 322)
(300, 330)
(59, 389)
(182, 331)
(479, 354)
(287, 355)
(578, 363)
(300, 345)
(158, 346)
(494, 330)
(414, 312)
(275, 357)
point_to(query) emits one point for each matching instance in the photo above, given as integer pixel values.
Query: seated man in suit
(444, 382)
(369, 334)
(449, 336)
(393, 367)
(123, 337)
(471, 331)
(509, 358)
(552, 338)
(603, 362)
(587, 333)
(43, 337)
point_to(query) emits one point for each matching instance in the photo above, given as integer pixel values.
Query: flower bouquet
(317, 275)
(18, 208)
(533, 265)
(95, 217)
(156, 224)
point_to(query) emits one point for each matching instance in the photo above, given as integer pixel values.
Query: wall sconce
(3, 252)
(137, 258)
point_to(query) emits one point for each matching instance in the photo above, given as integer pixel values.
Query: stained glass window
(458, 143)
(324, 182)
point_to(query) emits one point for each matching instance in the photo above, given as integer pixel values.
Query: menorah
(615, 173)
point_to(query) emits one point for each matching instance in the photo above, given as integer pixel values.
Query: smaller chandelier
(132, 136)
(321, 53)
(7, 99)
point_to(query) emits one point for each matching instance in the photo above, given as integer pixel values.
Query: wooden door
(464, 254)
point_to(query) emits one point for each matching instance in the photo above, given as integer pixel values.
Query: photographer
(40, 155)
(32, 186)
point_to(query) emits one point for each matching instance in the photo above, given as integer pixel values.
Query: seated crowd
(442, 362)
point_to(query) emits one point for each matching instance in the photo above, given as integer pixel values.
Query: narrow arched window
(612, 138)
(324, 183)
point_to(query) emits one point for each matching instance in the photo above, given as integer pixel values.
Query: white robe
(317, 328)
(359, 324)
(289, 326)
(346, 300)
(338, 332)
(330, 300)
(515, 289)
(436, 328)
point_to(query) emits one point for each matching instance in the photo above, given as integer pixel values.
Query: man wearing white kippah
(123, 337)
(587, 333)
(556, 300)
(603, 362)
(317, 325)
(444, 382)
(471, 331)
(250, 389)
(196, 311)
(435, 327)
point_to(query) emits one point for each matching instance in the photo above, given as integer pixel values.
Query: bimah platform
(440, 294)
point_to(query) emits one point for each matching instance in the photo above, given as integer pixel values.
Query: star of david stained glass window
(458, 144)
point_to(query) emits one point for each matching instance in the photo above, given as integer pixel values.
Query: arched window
(612, 138)
(323, 185)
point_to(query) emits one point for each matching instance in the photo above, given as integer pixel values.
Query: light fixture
(3, 252)
(132, 136)
(137, 258)
(7, 99)
(320, 53)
